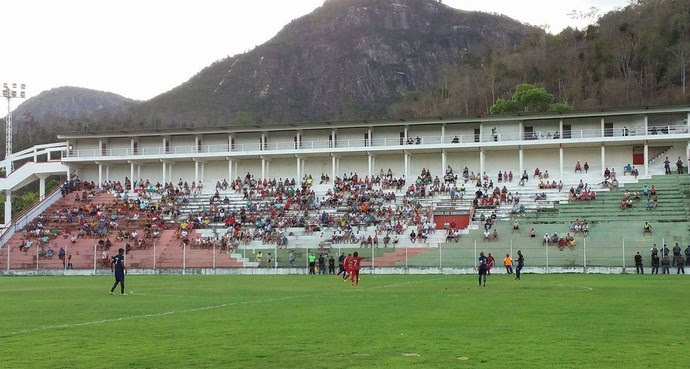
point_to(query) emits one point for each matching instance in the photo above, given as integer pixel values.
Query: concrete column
(521, 160)
(687, 156)
(230, 170)
(333, 141)
(337, 164)
(333, 167)
(138, 172)
(100, 175)
(196, 172)
(107, 173)
(560, 157)
(41, 187)
(131, 175)
(299, 168)
(443, 162)
(646, 124)
(165, 139)
(100, 148)
(602, 128)
(646, 158)
(373, 163)
(687, 121)
(370, 171)
(406, 171)
(304, 165)
(229, 143)
(443, 134)
(521, 129)
(603, 159)
(263, 141)
(369, 133)
(299, 139)
(481, 132)
(481, 161)
(131, 146)
(263, 165)
(560, 128)
(406, 135)
(164, 173)
(196, 143)
(8, 207)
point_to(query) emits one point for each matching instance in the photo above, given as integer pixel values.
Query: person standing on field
(489, 263)
(482, 268)
(676, 253)
(655, 264)
(331, 265)
(341, 265)
(312, 264)
(665, 264)
(639, 269)
(687, 255)
(680, 263)
(117, 267)
(508, 263)
(520, 264)
(355, 262)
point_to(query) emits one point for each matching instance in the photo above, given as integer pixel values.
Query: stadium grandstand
(576, 191)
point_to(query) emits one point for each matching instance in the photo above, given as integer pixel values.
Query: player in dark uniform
(482, 268)
(117, 266)
(341, 266)
(331, 265)
(520, 264)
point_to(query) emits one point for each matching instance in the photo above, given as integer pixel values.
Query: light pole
(10, 93)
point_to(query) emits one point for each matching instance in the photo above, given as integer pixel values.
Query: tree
(528, 98)
(682, 53)
(242, 118)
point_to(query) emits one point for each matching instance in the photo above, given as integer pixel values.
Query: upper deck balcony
(634, 134)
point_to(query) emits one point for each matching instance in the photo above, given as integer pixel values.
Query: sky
(140, 49)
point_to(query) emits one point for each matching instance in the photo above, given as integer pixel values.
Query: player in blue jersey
(482, 268)
(117, 266)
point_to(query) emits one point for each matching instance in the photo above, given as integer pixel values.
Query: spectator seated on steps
(516, 226)
(647, 228)
(627, 169)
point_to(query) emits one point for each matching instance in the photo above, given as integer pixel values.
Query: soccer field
(542, 321)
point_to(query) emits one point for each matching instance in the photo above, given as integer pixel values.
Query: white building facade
(608, 138)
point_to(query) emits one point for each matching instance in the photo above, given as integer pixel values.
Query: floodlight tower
(11, 92)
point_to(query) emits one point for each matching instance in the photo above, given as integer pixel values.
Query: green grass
(543, 321)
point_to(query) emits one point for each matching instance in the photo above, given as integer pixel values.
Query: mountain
(72, 103)
(347, 59)
(39, 119)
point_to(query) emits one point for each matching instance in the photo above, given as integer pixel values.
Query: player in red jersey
(355, 262)
(348, 266)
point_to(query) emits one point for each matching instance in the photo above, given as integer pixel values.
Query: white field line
(202, 308)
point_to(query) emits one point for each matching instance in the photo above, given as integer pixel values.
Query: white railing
(18, 222)
(32, 153)
(379, 142)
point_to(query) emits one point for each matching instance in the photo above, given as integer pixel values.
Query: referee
(520, 264)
